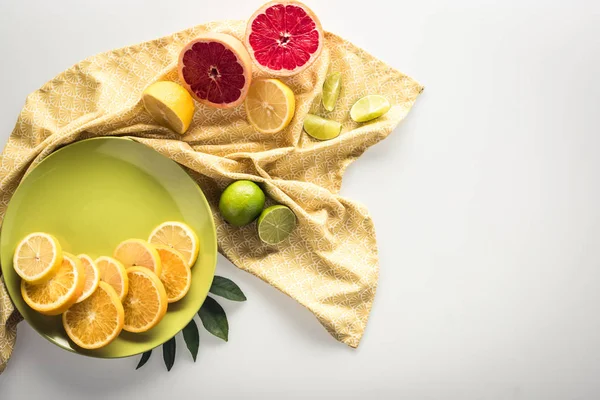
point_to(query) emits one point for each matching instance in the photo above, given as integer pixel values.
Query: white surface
(487, 216)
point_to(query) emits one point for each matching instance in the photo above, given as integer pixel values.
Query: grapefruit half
(284, 37)
(216, 69)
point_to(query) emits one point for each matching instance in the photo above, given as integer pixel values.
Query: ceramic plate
(94, 194)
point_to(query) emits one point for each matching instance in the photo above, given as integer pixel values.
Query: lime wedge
(369, 108)
(275, 224)
(321, 128)
(331, 90)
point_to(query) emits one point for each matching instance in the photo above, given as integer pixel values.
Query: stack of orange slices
(99, 298)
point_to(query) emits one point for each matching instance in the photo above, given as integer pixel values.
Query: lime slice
(275, 224)
(321, 128)
(369, 108)
(331, 90)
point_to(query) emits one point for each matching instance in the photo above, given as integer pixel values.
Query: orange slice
(96, 321)
(176, 276)
(92, 277)
(113, 272)
(146, 303)
(37, 257)
(178, 236)
(60, 292)
(138, 253)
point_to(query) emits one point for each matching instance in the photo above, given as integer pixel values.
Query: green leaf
(169, 353)
(192, 338)
(214, 319)
(226, 288)
(144, 359)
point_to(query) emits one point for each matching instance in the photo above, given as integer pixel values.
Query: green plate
(94, 194)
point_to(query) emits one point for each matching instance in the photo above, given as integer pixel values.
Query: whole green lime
(241, 202)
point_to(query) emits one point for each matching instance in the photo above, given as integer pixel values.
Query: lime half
(275, 224)
(321, 128)
(369, 108)
(331, 90)
(241, 202)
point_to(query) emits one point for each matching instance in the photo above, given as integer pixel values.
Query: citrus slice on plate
(146, 303)
(170, 105)
(176, 276)
(216, 69)
(37, 257)
(270, 105)
(60, 292)
(96, 321)
(113, 272)
(138, 253)
(92, 277)
(321, 128)
(331, 90)
(178, 236)
(284, 37)
(369, 107)
(275, 224)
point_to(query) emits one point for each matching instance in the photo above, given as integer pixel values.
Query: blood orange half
(284, 37)
(216, 69)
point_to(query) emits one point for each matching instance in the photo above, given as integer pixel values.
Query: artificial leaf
(214, 319)
(144, 359)
(169, 353)
(192, 338)
(227, 288)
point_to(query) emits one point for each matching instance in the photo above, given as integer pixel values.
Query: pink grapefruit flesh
(284, 37)
(216, 69)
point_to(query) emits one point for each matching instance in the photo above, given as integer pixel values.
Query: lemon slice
(138, 253)
(331, 90)
(170, 105)
(270, 105)
(178, 236)
(37, 257)
(97, 320)
(275, 224)
(92, 277)
(59, 293)
(321, 128)
(176, 276)
(369, 108)
(113, 272)
(146, 303)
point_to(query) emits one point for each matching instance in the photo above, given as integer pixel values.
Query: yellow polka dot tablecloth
(329, 264)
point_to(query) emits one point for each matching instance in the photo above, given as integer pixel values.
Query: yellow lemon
(178, 236)
(270, 105)
(170, 105)
(37, 257)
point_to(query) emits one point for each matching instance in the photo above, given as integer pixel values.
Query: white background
(485, 202)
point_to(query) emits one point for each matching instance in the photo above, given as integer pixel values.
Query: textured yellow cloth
(329, 264)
